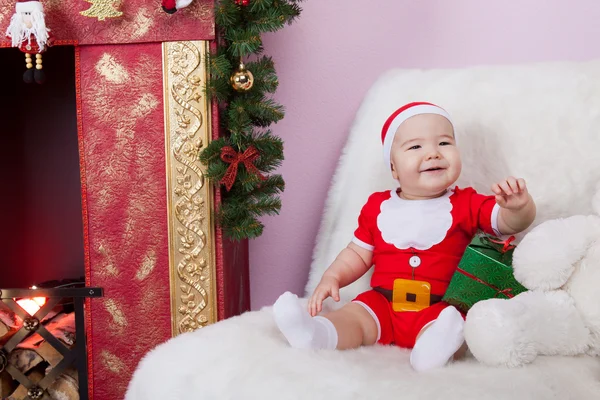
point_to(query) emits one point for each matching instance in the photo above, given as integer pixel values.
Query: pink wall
(329, 58)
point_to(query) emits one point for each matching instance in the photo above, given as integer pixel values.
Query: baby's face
(424, 156)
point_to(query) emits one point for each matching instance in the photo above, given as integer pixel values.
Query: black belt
(410, 297)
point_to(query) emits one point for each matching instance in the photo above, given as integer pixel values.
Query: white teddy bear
(559, 262)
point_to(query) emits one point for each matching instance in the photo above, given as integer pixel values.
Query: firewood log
(9, 323)
(3, 329)
(34, 376)
(62, 327)
(24, 359)
(63, 388)
(7, 384)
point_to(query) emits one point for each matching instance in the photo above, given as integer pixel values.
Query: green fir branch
(258, 6)
(265, 79)
(228, 14)
(267, 205)
(270, 20)
(244, 115)
(243, 42)
(219, 65)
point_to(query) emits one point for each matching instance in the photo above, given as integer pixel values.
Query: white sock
(300, 329)
(436, 346)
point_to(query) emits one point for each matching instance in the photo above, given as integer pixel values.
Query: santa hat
(19, 33)
(29, 6)
(170, 6)
(399, 116)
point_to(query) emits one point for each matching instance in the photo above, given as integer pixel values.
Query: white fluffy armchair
(541, 122)
(559, 261)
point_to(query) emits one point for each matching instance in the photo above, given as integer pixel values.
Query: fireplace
(43, 351)
(127, 205)
(41, 240)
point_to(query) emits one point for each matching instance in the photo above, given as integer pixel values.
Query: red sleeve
(367, 222)
(483, 212)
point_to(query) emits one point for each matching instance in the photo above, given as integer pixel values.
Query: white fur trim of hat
(29, 6)
(394, 121)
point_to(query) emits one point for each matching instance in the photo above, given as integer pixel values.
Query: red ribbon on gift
(506, 292)
(506, 244)
(232, 157)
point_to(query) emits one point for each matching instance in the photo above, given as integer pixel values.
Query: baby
(415, 237)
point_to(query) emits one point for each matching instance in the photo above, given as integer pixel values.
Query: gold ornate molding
(190, 197)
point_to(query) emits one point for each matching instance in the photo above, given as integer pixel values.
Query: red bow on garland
(232, 157)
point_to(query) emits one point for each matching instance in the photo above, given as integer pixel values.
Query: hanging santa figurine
(28, 32)
(171, 6)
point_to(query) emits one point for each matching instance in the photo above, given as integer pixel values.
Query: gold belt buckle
(410, 295)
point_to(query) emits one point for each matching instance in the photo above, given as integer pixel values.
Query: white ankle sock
(299, 328)
(436, 346)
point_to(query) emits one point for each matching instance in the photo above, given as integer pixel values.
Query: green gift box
(484, 272)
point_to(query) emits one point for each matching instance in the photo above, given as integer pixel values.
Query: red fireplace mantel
(143, 21)
(150, 239)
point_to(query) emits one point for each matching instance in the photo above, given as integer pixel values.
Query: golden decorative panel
(190, 196)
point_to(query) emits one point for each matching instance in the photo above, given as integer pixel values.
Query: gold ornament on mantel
(242, 80)
(101, 9)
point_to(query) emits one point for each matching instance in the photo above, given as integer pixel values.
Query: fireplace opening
(42, 336)
(41, 229)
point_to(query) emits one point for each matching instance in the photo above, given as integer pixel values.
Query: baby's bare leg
(347, 328)
(354, 325)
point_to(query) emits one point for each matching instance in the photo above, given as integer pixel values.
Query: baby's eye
(415, 147)
(445, 143)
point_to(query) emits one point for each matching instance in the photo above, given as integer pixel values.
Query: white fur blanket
(541, 122)
(247, 358)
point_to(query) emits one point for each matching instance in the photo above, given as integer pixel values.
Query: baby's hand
(511, 193)
(329, 286)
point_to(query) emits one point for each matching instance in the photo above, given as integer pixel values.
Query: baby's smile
(433, 171)
(434, 168)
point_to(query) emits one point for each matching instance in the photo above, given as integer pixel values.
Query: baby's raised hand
(329, 286)
(511, 193)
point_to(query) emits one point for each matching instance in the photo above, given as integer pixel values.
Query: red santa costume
(416, 245)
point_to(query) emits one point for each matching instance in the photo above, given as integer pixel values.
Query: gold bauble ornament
(242, 80)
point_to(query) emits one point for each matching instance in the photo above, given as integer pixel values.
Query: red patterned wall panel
(122, 140)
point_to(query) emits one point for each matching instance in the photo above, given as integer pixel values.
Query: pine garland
(246, 116)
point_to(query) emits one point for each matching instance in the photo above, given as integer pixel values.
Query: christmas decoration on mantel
(101, 9)
(171, 6)
(242, 160)
(27, 31)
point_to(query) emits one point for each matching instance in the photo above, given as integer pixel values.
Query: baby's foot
(300, 329)
(437, 344)
(293, 320)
